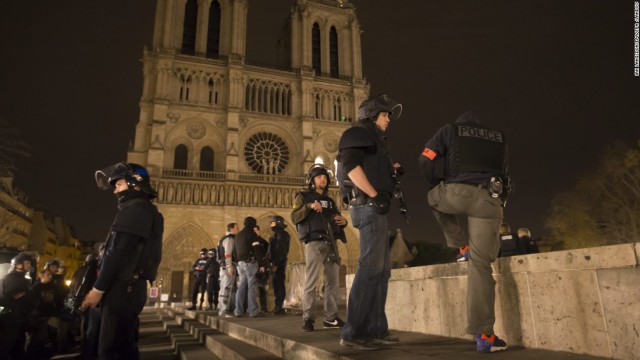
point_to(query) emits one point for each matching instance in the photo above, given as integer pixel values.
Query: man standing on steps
(228, 262)
(313, 209)
(366, 175)
(200, 284)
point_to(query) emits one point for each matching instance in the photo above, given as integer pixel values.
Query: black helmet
(370, 108)
(203, 251)
(315, 170)
(213, 251)
(279, 220)
(20, 259)
(134, 175)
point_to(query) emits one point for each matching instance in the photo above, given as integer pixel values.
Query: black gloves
(381, 203)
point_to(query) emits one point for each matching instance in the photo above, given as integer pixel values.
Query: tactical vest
(476, 149)
(220, 256)
(140, 217)
(313, 227)
(509, 245)
(200, 263)
(377, 164)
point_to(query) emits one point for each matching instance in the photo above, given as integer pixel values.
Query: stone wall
(583, 301)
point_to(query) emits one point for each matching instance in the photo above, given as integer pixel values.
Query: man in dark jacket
(200, 284)
(250, 261)
(131, 257)
(278, 255)
(475, 185)
(213, 279)
(366, 163)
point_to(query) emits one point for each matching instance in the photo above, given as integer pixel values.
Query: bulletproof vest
(244, 244)
(313, 226)
(221, 254)
(377, 164)
(509, 245)
(200, 262)
(476, 149)
(140, 217)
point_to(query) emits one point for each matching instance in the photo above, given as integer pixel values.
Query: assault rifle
(398, 194)
(331, 241)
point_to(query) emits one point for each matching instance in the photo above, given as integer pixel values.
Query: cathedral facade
(224, 139)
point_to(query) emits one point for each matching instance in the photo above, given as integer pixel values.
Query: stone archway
(179, 251)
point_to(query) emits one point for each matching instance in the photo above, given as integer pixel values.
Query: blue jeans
(366, 318)
(247, 287)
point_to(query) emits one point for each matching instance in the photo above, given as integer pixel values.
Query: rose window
(266, 153)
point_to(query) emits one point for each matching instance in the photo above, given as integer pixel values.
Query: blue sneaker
(489, 344)
(463, 255)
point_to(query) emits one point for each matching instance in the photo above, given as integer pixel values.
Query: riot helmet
(213, 251)
(17, 263)
(203, 251)
(315, 170)
(277, 222)
(134, 175)
(370, 108)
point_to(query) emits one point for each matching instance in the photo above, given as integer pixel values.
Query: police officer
(474, 184)
(131, 257)
(228, 262)
(278, 255)
(365, 173)
(200, 273)
(313, 210)
(213, 279)
(18, 303)
(250, 262)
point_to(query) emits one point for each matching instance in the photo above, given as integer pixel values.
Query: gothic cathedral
(224, 139)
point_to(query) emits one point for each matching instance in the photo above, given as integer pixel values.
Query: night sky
(555, 76)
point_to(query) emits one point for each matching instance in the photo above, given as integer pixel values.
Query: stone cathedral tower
(225, 139)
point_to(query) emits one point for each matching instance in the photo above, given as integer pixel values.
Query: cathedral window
(180, 157)
(206, 159)
(185, 84)
(315, 48)
(266, 153)
(213, 32)
(189, 28)
(333, 52)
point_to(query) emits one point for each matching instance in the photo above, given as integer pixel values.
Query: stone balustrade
(186, 187)
(584, 301)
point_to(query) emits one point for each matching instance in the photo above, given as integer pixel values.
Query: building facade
(224, 139)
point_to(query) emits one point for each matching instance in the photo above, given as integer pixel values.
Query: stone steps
(198, 330)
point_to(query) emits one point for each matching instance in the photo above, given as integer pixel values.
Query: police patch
(485, 134)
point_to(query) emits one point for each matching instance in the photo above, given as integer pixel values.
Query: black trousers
(213, 289)
(279, 290)
(199, 286)
(119, 323)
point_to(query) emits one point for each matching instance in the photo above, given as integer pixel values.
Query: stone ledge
(583, 301)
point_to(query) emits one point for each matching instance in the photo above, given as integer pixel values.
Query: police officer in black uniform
(475, 184)
(278, 255)
(200, 284)
(213, 279)
(365, 174)
(131, 258)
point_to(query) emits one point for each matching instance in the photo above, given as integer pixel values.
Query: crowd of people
(233, 276)
(40, 313)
